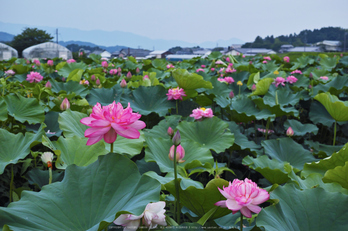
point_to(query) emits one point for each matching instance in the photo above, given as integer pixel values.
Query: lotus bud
(48, 84)
(202, 66)
(212, 69)
(123, 83)
(137, 70)
(310, 86)
(177, 138)
(50, 63)
(93, 77)
(63, 79)
(47, 158)
(228, 59)
(251, 62)
(119, 69)
(65, 105)
(289, 132)
(253, 88)
(105, 64)
(310, 75)
(97, 82)
(170, 131)
(180, 153)
(231, 95)
(129, 75)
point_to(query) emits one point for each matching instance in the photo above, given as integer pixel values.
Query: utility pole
(57, 35)
(345, 34)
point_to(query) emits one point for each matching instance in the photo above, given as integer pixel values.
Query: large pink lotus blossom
(71, 61)
(286, 59)
(180, 153)
(9, 72)
(84, 82)
(199, 113)
(37, 62)
(243, 196)
(291, 79)
(104, 64)
(279, 80)
(267, 58)
(151, 217)
(324, 78)
(229, 80)
(296, 72)
(113, 71)
(176, 93)
(219, 62)
(34, 76)
(229, 69)
(228, 59)
(170, 66)
(264, 61)
(109, 121)
(202, 66)
(200, 69)
(50, 63)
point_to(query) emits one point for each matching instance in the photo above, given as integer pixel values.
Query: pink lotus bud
(180, 153)
(341, 55)
(250, 62)
(145, 77)
(202, 66)
(129, 75)
(170, 131)
(289, 132)
(97, 82)
(50, 63)
(137, 70)
(65, 105)
(63, 79)
(177, 138)
(48, 84)
(228, 59)
(123, 83)
(93, 77)
(310, 75)
(212, 69)
(310, 86)
(231, 95)
(243, 56)
(253, 87)
(119, 70)
(105, 64)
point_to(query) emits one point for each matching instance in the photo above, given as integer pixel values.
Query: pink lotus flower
(137, 70)
(279, 80)
(286, 59)
(93, 77)
(244, 196)
(84, 82)
(289, 132)
(104, 64)
(119, 70)
(176, 93)
(202, 66)
(9, 72)
(264, 61)
(170, 131)
(146, 77)
(219, 62)
(50, 63)
(37, 62)
(291, 79)
(199, 113)
(228, 59)
(109, 121)
(123, 83)
(231, 95)
(180, 153)
(113, 71)
(151, 217)
(34, 76)
(230, 70)
(253, 87)
(170, 66)
(129, 75)
(243, 56)
(212, 69)
(71, 61)
(200, 69)
(229, 80)
(48, 84)
(222, 80)
(296, 72)
(97, 82)
(324, 78)
(267, 58)
(65, 105)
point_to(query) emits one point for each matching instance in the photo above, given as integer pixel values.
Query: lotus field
(215, 143)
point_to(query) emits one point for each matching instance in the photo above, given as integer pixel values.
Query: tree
(29, 37)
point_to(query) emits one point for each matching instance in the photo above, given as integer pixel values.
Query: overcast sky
(187, 20)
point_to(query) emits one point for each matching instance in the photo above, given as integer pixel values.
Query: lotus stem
(334, 140)
(50, 175)
(112, 147)
(276, 97)
(241, 221)
(177, 110)
(177, 199)
(267, 127)
(11, 183)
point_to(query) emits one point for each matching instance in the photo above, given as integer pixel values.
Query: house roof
(305, 49)
(286, 46)
(254, 50)
(180, 57)
(329, 43)
(157, 52)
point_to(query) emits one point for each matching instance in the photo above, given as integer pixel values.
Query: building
(159, 54)
(7, 52)
(284, 48)
(136, 53)
(47, 50)
(305, 49)
(250, 51)
(177, 57)
(330, 46)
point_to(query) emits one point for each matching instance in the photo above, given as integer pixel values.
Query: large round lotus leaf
(336, 159)
(51, 120)
(299, 128)
(159, 64)
(160, 130)
(211, 133)
(284, 96)
(69, 88)
(322, 150)
(14, 147)
(344, 61)
(69, 67)
(339, 175)
(214, 55)
(24, 109)
(286, 149)
(302, 62)
(88, 198)
(75, 75)
(75, 151)
(276, 109)
(318, 114)
(131, 147)
(190, 81)
(274, 171)
(337, 109)
(20, 69)
(158, 151)
(146, 100)
(229, 222)
(3, 110)
(200, 201)
(106, 96)
(336, 86)
(329, 63)
(219, 88)
(41, 177)
(270, 66)
(247, 110)
(305, 210)
(262, 86)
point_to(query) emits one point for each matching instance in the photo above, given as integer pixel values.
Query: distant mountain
(5, 37)
(115, 38)
(80, 43)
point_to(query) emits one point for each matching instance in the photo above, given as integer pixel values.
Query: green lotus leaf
(219, 88)
(246, 110)
(304, 210)
(274, 171)
(3, 110)
(337, 109)
(336, 86)
(69, 123)
(322, 150)
(130, 147)
(336, 159)
(231, 222)
(88, 198)
(106, 96)
(344, 61)
(190, 81)
(284, 96)
(211, 133)
(75, 75)
(75, 151)
(200, 201)
(319, 115)
(51, 120)
(160, 130)
(146, 100)
(254, 78)
(20, 69)
(329, 63)
(270, 66)
(262, 86)
(69, 67)
(16, 146)
(339, 175)
(69, 88)
(159, 64)
(286, 149)
(214, 55)
(24, 109)
(299, 128)
(157, 150)
(40, 177)
(302, 62)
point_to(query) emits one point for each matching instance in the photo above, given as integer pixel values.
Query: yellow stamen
(239, 83)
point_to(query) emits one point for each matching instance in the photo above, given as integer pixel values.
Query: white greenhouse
(47, 50)
(7, 52)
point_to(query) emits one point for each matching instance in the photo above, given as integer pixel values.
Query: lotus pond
(259, 143)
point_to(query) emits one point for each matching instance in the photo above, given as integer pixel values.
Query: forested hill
(304, 37)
